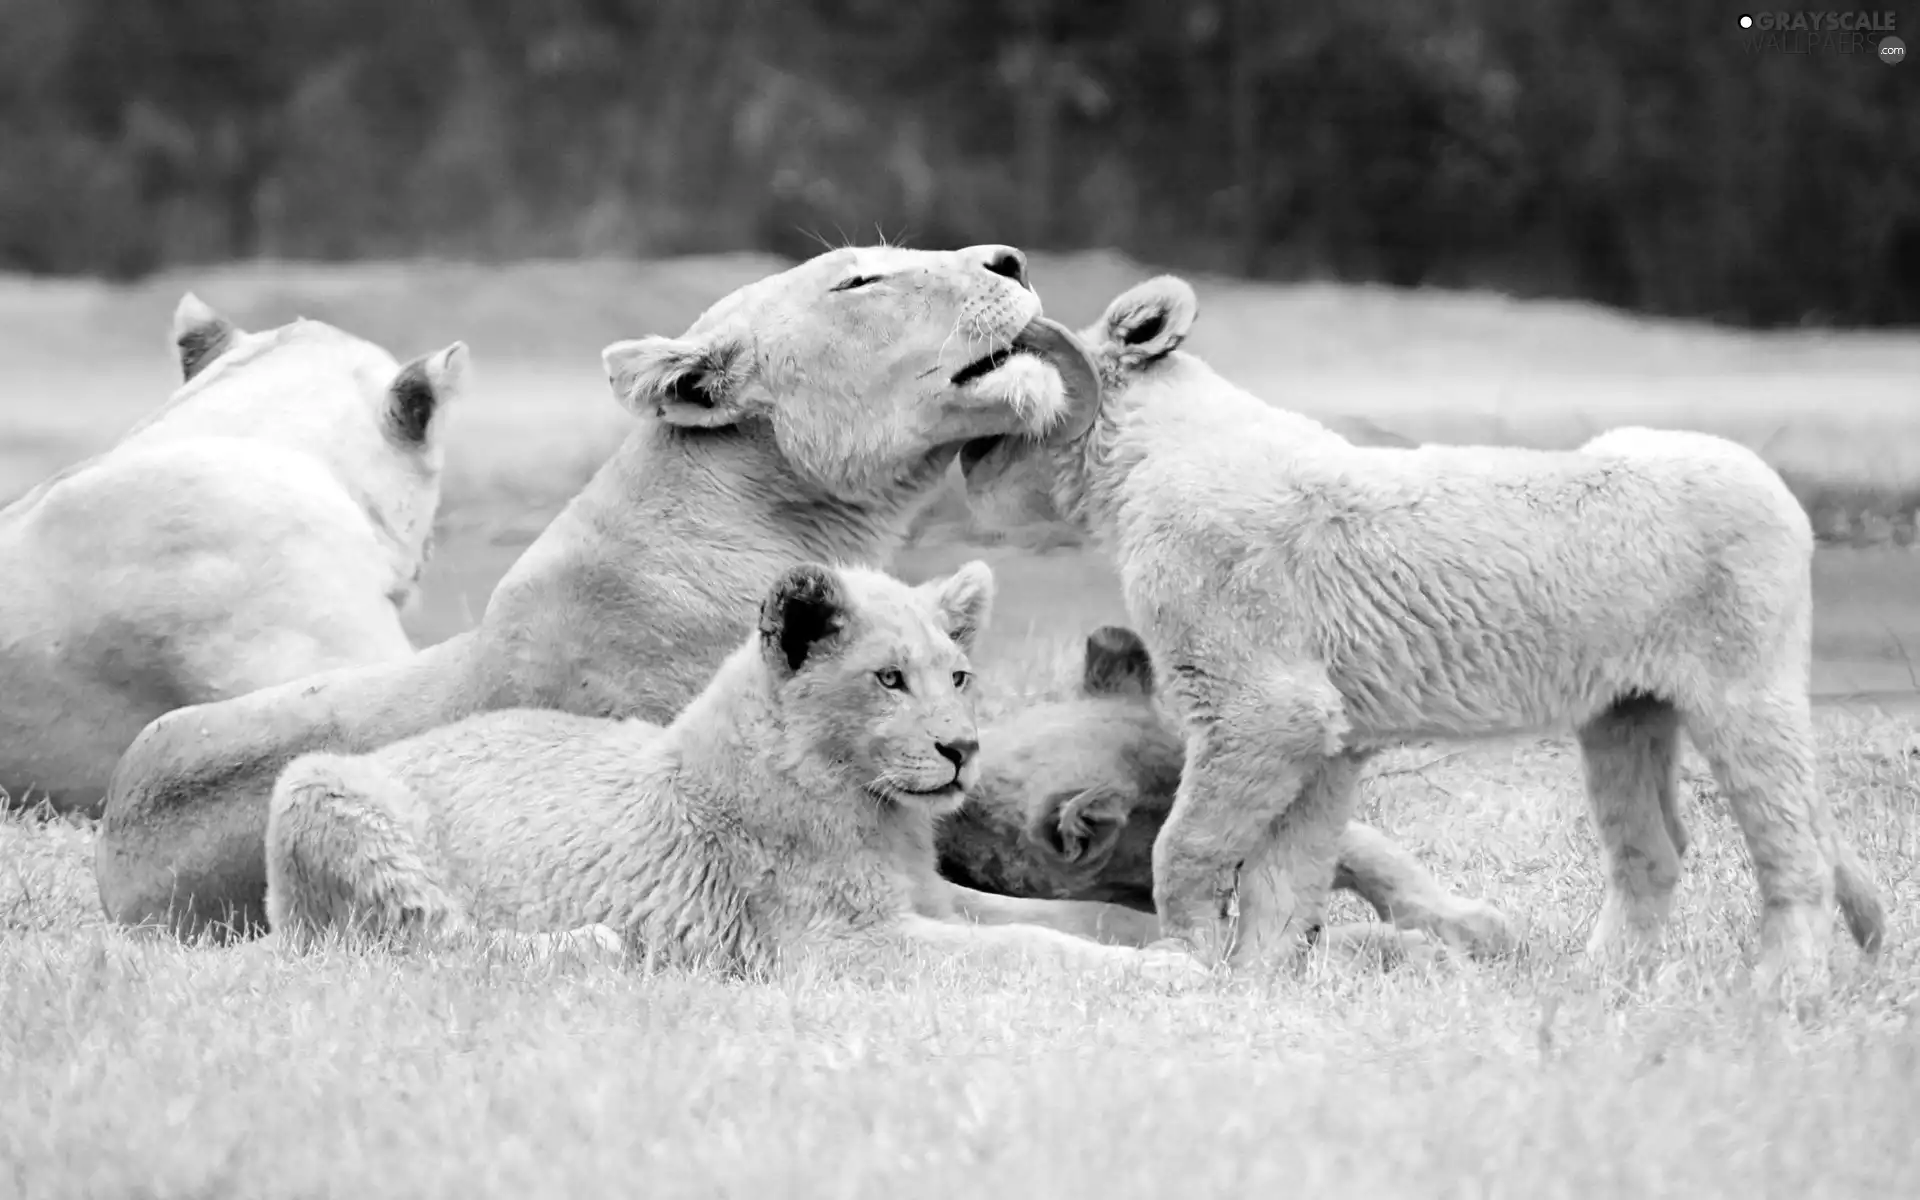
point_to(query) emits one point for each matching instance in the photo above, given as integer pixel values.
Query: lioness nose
(958, 751)
(1004, 261)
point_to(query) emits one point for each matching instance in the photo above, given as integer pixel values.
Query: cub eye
(855, 281)
(961, 679)
(891, 679)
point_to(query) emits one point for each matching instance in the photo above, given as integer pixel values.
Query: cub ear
(801, 618)
(1117, 664)
(1081, 827)
(421, 388)
(965, 602)
(1149, 320)
(701, 383)
(200, 335)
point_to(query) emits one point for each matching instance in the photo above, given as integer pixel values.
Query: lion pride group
(698, 724)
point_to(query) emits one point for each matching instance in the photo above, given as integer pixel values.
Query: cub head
(869, 365)
(375, 421)
(1014, 480)
(872, 680)
(1073, 792)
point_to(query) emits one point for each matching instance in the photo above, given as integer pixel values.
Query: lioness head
(869, 364)
(1015, 480)
(1072, 793)
(872, 679)
(374, 421)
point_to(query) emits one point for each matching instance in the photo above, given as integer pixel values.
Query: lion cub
(788, 810)
(1075, 791)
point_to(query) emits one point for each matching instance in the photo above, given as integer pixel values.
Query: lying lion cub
(789, 810)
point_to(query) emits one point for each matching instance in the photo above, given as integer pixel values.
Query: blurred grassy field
(136, 1068)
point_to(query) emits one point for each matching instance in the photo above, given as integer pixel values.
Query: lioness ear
(1150, 319)
(1082, 826)
(699, 383)
(200, 335)
(965, 601)
(802, 615)
(421, 389)
(1117, 664)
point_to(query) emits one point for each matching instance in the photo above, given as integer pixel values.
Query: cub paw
(598, 940)
(1478, 928)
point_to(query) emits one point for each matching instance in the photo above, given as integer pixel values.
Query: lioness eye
(857, 281)
(960, 678)
(891, 679)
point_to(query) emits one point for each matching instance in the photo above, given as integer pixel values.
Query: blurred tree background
(1628, 151)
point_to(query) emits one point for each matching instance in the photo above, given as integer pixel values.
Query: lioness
(1314, 601)
(269, 521)
(788, 810)
(1073, 793)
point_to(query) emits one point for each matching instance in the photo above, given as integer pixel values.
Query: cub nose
(1004, 261)
(958, 751)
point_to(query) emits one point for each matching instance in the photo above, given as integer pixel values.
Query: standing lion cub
(787, 811)
(1313, 601)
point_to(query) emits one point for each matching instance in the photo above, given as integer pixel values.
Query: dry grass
(139, 1067)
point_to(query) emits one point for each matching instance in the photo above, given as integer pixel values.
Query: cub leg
(1405, 893)
(1631, 758)
(1371, 864)
(1761, 749)
(1286, 883)
(347, 850)
(1244, 863)
(1351, 941)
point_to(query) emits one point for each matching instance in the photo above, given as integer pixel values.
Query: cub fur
(805, 416)
(1313, 600)
(1073, 793)
(787, 812)
(269, 521)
